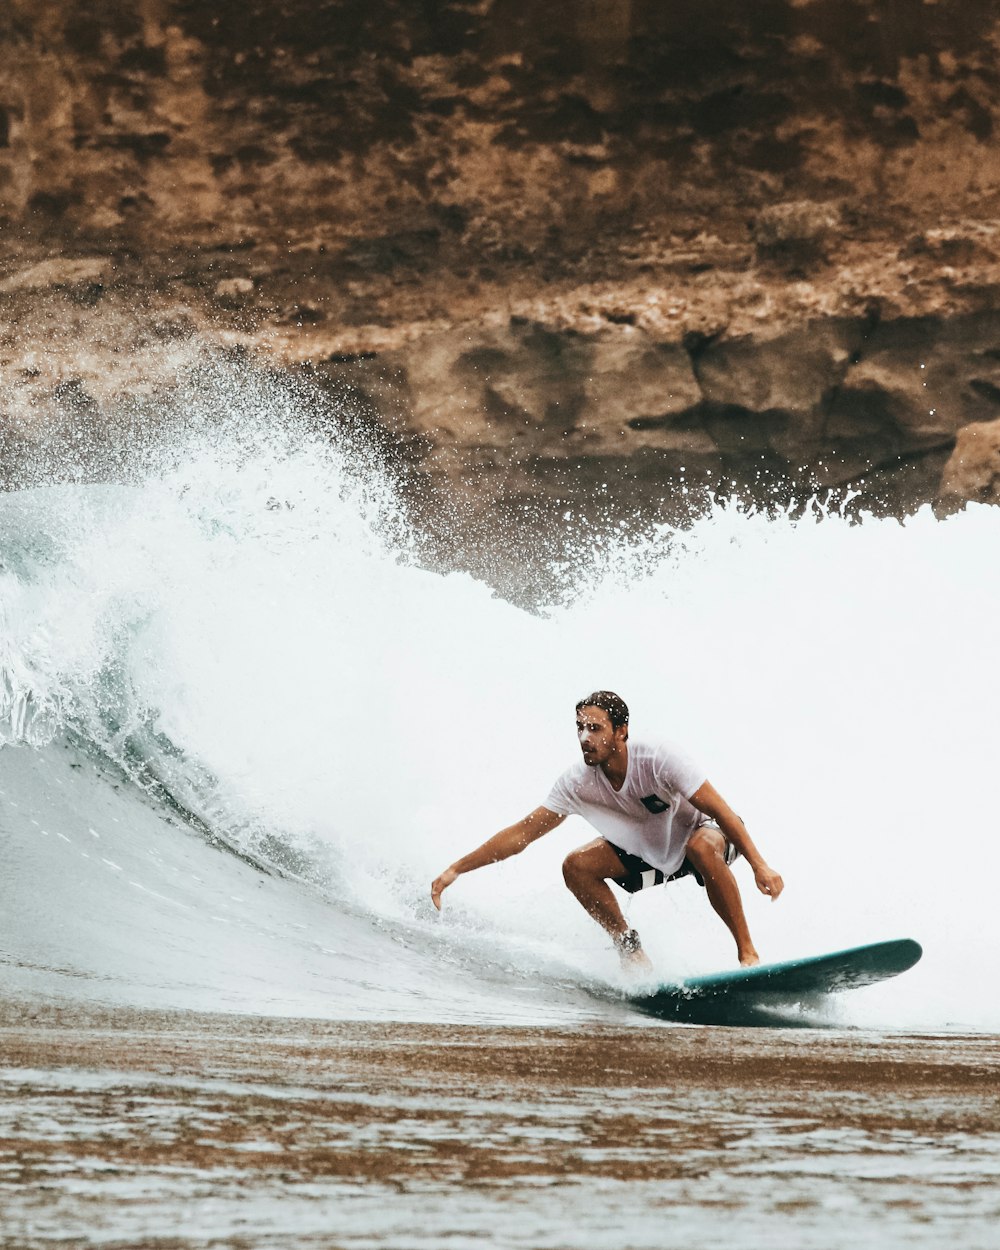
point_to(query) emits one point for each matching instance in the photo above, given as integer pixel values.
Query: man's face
(598, 741)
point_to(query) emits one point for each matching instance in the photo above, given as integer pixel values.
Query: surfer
(659, 818)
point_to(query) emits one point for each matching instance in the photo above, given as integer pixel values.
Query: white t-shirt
(650, 815)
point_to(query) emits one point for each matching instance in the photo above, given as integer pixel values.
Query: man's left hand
(768, 881)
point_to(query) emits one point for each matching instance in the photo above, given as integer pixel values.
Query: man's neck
(616, 768)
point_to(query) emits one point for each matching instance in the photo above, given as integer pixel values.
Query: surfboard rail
(745, 992)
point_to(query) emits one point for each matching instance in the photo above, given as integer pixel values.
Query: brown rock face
(499, 124)
(973, 472)
(610, 255)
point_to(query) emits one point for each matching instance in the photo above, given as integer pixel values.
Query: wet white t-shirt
(650, 815)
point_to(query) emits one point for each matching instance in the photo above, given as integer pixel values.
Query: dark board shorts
(638, 875)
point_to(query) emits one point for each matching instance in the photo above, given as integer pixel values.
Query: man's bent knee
(707, 848)
(590, 864)
(576, 869)
(571, 867)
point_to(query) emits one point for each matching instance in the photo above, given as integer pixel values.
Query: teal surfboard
(756, 995)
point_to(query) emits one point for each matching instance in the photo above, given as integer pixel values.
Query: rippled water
(265, 1134)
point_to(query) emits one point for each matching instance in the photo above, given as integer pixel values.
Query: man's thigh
(599, 859)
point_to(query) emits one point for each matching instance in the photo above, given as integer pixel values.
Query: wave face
(242, 730)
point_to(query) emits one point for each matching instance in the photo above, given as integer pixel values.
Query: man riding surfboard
(659, 819)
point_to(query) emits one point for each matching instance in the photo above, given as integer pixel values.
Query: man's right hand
(441, 884)
(509, 841)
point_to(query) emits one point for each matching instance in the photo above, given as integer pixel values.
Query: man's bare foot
(638, 964)
(634, 959)
(749, 959)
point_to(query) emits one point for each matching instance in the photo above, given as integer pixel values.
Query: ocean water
(243, 727)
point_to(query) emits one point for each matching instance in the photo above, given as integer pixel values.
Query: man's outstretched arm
(502, 845)
(708, 800)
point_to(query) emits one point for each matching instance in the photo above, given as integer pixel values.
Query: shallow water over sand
(196, 1131)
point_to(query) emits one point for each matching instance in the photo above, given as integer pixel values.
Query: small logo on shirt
(653, 803)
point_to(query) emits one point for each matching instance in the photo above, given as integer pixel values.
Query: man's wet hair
(608, 701)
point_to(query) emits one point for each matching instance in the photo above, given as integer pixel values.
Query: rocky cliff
(596, 254)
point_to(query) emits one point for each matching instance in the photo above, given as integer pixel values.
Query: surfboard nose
(906, 952)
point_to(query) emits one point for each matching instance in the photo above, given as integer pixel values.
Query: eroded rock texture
(600, 254)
